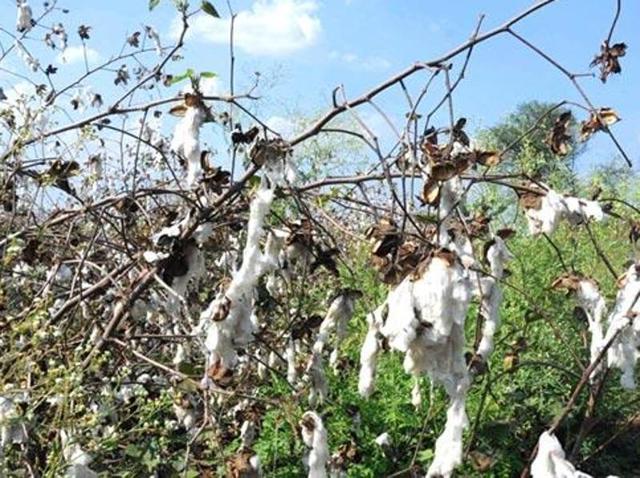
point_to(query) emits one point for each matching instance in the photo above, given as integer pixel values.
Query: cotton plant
(314, 436)
(551, 461)
(623, 320)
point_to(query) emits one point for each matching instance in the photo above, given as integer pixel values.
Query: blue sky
(304, 48)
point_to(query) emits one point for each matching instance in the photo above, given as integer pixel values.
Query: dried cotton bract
(314, 436)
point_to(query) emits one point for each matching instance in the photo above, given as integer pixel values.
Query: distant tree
(532, 154)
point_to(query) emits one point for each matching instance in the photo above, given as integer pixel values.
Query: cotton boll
(315, 371)
(77, 459)
(383, 440)
(550, 461)
(545, 219)
(497, 256)
(623, 352)
(11, 431)
(314, 436)
(368, 360)
(155, 38)
(338, 314)
(180, 356)
(416, 394)
(579, 210)
(448, 449)
(591, 301)
(24, 22)
(451, 193)
(186, 141)
(290, 355)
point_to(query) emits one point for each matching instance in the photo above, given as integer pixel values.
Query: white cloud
(369, 63)
(270, 27)
(75, 54)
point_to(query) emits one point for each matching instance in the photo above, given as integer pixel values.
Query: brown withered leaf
(221, 375)
(608, 59)
(597, 122)
(458, 133)
(325, 258)
(487, 158)
(430, 192)
(480, 461)
(478, 226)
(385, 237)
(530, 199)
(178, 110)
(505, 233)
(558, 139)
(510, 362)
(568, 282)
(244, 137)
(634, 232)
(239, 465)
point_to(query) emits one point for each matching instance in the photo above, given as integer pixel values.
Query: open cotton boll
(318, 382)
(24, 21)
(314, 436)
(623, 352)
(448, 449)
(186, 141)
(491, 295)
(579, 210)
(591, 301)
(338, 315)
(11, 431)
(155, 38)
(451, 193)
(545, 219)
(290, 356)
(550, 461)
(369, 356)
(77, 459)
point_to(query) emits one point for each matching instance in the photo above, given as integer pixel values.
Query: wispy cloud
(269, 28)
(368, 63)
(75, 54)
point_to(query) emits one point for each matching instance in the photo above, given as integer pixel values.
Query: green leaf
(209, 9)
(208, 74)
(153, 4)
(178, 78)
